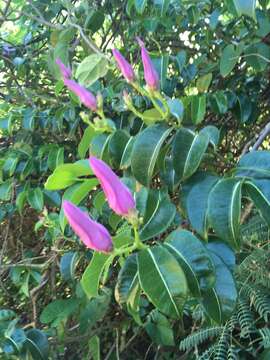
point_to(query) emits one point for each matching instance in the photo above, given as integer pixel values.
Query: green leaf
(94, 347)
(255, 164)
(159, 214)
(204, 82)
(35, 199)
(58, 310)
(258, 56)
(225, 210)
(162, 280)
(220, 301)
(188, 151)
(84, 144)
(117, 145)
(127, 279)
(222, 250)
(5, 190)
(76, 194)
(146, 150)
(126, 155)
(55, 158)
(245, 7)
(10, 166)
(37, 344)
(91, 69)
(67, 265)
(92, 274)
(159, 329)
(219, 102)
(181, 58)
(67, 174)
(6, 314)
(259, 193)
(176, 109)
(140, 5)
(198, 108)
(213, 133)
(229, 58)
(197, 202)
(193, 258)
(151, 116)
(99, 146)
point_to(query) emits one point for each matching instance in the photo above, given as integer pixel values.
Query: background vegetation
(212, 58)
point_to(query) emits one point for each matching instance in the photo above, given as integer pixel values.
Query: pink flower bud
(94, 235)
(65, 71)
(150, 73)
(85, 96)
(124, 66)
(118, 195)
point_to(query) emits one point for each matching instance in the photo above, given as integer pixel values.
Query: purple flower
(94, 235)
(86, 97)
(124, 66)
(65, 71)
(150, 74)
(118, 195)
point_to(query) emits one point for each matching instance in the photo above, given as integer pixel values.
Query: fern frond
(222, 345)
(265, 334)
(245, 318)
(258, 299)
(208, 354)
(232, 353)
(199, 337)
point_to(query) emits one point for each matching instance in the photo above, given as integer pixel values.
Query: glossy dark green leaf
(99, 145)
(176, 109)
(245, 7)
(223, 250)
(146, 150)
(126, 155)
(35, 199)
(197, 202)
(198, 108)
(127, 279)
(220, 301)
(204, 82)
(37, 344)
(188, 151)
(117, 145)
(255, 164)
(259, 193)
(193, 258)
(162, 280)
(55, 158)
(92, 274)
(213, 133)
(229, 58)
(67, 265)
(159, 214)
(258, 56)
(224, 209)
(5, 190)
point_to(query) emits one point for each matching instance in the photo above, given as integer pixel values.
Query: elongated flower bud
(124, 66)
(150, 73)
(65, 71)
(85, 96)
(118, 195)
(94, 235)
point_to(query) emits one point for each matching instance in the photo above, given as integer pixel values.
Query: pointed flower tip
(150, 74)
(119, 197)
(140, 42)
(124, 66)
(94, 235)
(85, 96)
(65, 71)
